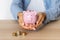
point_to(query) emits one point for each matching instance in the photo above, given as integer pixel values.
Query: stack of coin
(19, 33)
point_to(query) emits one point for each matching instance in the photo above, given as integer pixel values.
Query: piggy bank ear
(24, 11)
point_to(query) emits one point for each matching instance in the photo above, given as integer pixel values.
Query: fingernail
(34, 29)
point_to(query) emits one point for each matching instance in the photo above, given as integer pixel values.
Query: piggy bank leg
(26, 24)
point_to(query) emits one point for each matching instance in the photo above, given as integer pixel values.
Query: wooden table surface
(50, 32)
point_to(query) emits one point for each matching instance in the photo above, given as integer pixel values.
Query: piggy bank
(29, 17)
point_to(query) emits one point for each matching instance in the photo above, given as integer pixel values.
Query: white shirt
(37, 5)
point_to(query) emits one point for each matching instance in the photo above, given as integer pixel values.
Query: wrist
(19, 14)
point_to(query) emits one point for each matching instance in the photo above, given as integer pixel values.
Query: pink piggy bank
(29, 17)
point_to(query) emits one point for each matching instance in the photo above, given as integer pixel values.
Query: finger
(21, 24)
(39, 18)
(32, 27)
(40, 22)
(25, 27)
(28, 27)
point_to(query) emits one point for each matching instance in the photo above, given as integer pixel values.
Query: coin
(24, 33)
(14, 34)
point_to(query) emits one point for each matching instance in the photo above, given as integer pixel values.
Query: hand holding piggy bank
(29, 17)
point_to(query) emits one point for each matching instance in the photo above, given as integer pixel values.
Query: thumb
(22, 24)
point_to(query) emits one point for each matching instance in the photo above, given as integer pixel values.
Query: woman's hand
(40, 17)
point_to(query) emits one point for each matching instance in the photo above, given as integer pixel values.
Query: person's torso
(37, 5)
(47, 3)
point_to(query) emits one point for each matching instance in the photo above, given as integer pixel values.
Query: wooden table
(50, 32)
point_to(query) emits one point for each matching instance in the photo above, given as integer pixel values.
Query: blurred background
(5, 13)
